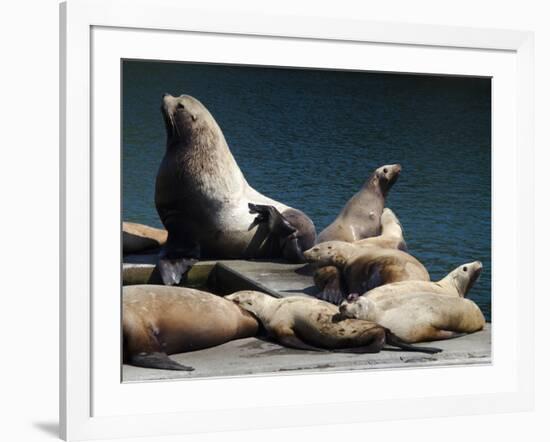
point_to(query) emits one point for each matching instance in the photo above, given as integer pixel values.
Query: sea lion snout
(392, 172)
(311, 254)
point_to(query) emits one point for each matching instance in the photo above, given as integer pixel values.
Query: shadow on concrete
(311, 291)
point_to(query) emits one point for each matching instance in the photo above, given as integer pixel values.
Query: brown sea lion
(360, 217)
(138, 238)
(329, 278)
(364, 268)
(206, 204)
(311, 324)
(417, 317)
(158, 321)
(457, 283)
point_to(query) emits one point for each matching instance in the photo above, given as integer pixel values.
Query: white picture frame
(92, 405)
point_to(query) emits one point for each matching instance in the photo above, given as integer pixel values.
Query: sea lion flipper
(329, 281)
(157, 360)
(174, 271)
(292, 341)
(395, 341)
(332, 293)
(175, 259)
(277, 223)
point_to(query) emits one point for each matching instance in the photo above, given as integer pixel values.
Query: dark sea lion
(363, 268)
(417, 316)
(360, 217)
(311, 324)
(329, 280)
(206, 204)
(138, 238)
(158, 321)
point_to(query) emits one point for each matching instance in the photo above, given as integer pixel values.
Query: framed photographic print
(255, 207)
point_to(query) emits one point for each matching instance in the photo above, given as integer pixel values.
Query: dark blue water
(310, 138)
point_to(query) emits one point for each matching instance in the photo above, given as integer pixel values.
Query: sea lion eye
(464, 269)
(330, 247)
(385, 170)
(180, 106)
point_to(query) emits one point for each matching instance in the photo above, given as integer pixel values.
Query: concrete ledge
(253, 356)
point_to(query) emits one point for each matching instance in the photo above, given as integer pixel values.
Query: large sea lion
(159, 320)
(417, 317)
(457, 283)
(329, 278)
(138, 238)
(310, 324)
(364, 268)
(206, 204)
(360, 217)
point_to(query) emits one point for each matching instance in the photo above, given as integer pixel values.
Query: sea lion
(363, 268)
(138, 238)
(328, 279)
(391, 233)
(159, 320)
(206, 204)
(457, 283)
(311, 324)
(360, 217)
(417, 317)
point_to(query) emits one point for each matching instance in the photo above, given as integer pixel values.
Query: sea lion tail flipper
(395, 341)
(174, 271)
(292, 341)
(277, 223)
(157, 360)
(332, 293)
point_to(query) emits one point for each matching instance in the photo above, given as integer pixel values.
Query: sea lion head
(186, 120)
(385, 177)
(355, 306)
(251, 301)
(329, 253)
(464, 276)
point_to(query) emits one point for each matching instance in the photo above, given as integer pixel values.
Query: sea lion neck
(450, 283)
(266, 307)
(373, 185)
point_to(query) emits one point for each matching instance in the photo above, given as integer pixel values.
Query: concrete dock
(253, 356)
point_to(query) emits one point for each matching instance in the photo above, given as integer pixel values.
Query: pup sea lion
(457, 283)
(137, 238)
(360, 217)
(159, 320)
(206, 204)
(329, 278)
(310, 324)
(417, 317)
(364, 268)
